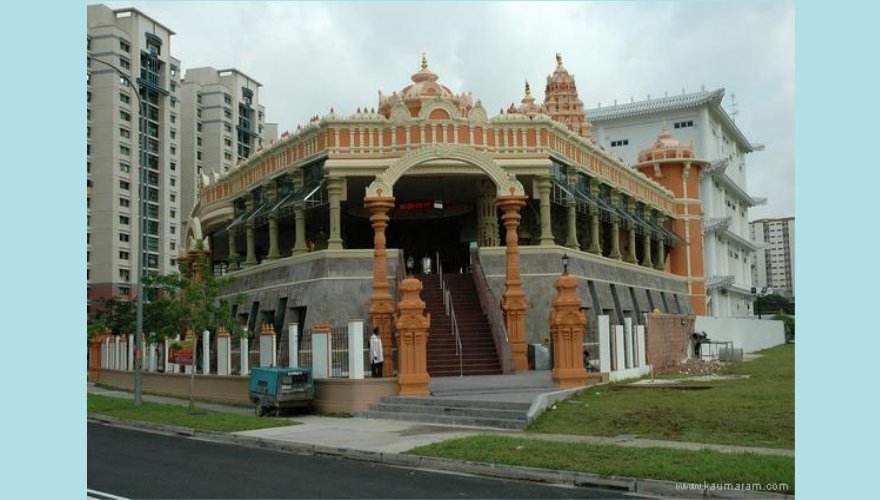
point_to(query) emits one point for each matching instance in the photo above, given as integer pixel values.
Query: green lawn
(654, 463)
(758, 411)
(180, 415)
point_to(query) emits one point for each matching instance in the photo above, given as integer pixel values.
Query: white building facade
(224, 124)
(699, 119)
(774, 265)
(129, 57)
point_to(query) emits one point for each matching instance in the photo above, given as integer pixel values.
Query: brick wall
(667, 337)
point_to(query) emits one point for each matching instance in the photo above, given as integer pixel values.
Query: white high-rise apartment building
(223, 123)
(774, 265)
(698, 118)
(129, 56)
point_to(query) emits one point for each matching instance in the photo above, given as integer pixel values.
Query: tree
(773, 303)
(112, 315)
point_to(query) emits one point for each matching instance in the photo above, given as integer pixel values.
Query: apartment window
(198, 141)
(173, 87)
(173, 182)
(199, 127)
(198, 155)
(123, 255)
(173, 166)
(171, 262)
(124, 116)
(173, 213)
(152, 261)
(125, 150)
(124, 202)
(88, 149)
(125, 133)
(124, 98)
(173, 198)
(619, 143)
(173, 134)
(173, 229)
(124, 46)
(173, 118)
(684, 124)
(123, 219)
(174, 70)
(124, 290)
(227, 127)
(124, 185)
(227, 156)
(173, 150)
(123, 237)
(124, 167)
(124, 63)
(124, 274)
(172, 245)
(227, 142)
(173, 102)
(227, 113)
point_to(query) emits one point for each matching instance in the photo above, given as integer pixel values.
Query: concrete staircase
(470, 413)
(479, 355)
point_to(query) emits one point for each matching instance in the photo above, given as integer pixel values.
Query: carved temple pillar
(334, 193)
(571, 240)
(381, 303)
(544, 184)
(412, 326)
(567, 324)
(233, 255)
(595, 243)
(513, 302)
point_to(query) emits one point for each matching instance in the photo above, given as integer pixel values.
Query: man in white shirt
(376, 356)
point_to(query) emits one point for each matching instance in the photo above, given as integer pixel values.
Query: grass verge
(758, 411)
(181, 415)
(607, 460)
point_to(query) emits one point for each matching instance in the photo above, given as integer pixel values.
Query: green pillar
(544, 184)
(595, 242)
(251, 259)
(299, 245)
(661, 257)
(334, 192)
(631, 249)
(274, 253)
(233, 255)
(646, 260)
(615, 239)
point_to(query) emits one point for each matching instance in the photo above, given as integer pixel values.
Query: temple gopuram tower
(672, 164)
(561, 101)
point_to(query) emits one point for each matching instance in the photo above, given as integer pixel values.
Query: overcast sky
(311, 56)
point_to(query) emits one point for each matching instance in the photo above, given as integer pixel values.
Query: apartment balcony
(716, 224)
(718, 281)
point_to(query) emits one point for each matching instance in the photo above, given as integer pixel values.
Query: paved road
(137, 464)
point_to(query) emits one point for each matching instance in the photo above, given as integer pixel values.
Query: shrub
(788, 323)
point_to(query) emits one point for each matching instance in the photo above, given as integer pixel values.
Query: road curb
(654, 487)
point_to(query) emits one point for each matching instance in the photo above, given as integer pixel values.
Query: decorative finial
(558, 59)
(528, 89)
(424, 62)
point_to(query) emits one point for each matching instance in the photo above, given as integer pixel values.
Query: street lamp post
(139, 329)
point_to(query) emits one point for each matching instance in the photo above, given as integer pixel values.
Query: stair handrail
(493, 313)
(450, 311)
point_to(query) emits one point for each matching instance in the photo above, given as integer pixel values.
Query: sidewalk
(394, 436)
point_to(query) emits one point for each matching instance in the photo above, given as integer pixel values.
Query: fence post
(96, 347)
(293, 345)
(245, 369)
(321, 350)
(619, 354)
(604, 344)
(152, 363)
(267, 345)
(640, 350)
(627, 341)
(130, 356)
(356, 349)
(206, 352)
(224, 356)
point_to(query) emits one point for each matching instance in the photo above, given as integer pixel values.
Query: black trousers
(376, 369)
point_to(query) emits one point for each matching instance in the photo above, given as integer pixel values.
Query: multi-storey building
(774, 265)
(132, 98)
(699, 119)
(223, 124)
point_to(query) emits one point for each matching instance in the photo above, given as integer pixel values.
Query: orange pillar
(513, 302)
(381, 303)
(567, 329)
(95, 356)
(199, 260)
(412, 340)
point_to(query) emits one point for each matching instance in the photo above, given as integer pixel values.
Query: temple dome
(666, 148)
(423, 88)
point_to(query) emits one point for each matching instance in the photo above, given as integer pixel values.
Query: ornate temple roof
(666, 148)
(423, 88)
(562, 103)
